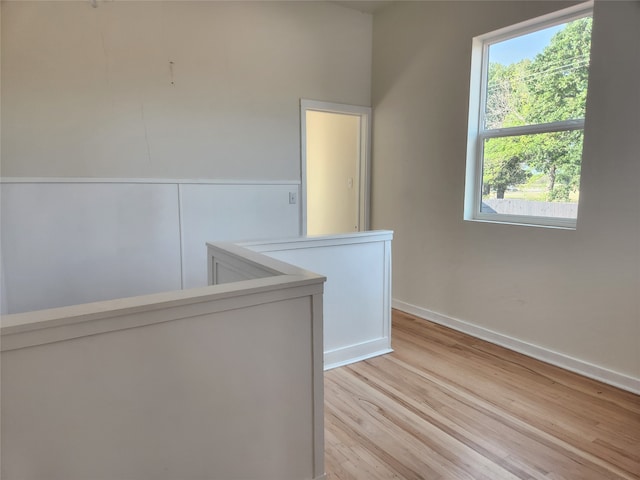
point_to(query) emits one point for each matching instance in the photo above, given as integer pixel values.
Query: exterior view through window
(527, 131)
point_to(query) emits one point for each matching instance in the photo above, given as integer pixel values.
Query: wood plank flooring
(448, 406)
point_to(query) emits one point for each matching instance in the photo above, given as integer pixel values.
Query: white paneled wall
(357, 294)
(74, 241)
(231, 212)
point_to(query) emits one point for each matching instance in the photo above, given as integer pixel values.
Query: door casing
(364, 161)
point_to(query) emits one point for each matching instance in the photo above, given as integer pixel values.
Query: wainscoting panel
(357, 294)
(70, 243)
(212, 213)
(78, 240)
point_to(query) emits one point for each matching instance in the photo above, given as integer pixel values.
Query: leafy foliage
(551, 87)
(506, 167)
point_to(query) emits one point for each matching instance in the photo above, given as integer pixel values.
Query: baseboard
(581, 367)
(355, 353)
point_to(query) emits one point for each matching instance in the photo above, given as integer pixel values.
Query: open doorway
(335, 148)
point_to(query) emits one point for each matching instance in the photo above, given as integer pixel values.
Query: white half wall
(357, 295)
(70, 241)
(220, 382)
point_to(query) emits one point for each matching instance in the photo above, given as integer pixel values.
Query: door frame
(364, 161)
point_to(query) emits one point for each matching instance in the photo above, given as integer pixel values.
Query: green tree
(508, 97)
(550, 88)
(507, 104)
(557, 77)
(503, 164)
(502, 174)
(557, 81)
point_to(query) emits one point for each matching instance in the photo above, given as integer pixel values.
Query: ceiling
(366, 6)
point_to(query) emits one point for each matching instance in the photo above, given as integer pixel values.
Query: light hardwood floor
(448, 406)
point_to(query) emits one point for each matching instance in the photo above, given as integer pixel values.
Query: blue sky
(526, 46)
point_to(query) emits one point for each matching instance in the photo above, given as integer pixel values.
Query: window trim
(477, 103)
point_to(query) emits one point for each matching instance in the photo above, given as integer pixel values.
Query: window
(526, 120)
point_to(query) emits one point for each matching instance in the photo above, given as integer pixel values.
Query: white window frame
(477, 134)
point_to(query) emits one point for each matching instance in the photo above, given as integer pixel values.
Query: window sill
(542, 222)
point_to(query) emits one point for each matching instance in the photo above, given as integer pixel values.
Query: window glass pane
(532, 175)
(540, 77)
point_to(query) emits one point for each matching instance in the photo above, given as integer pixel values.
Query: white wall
(92, 92)
(575, 293)
(193, 107)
